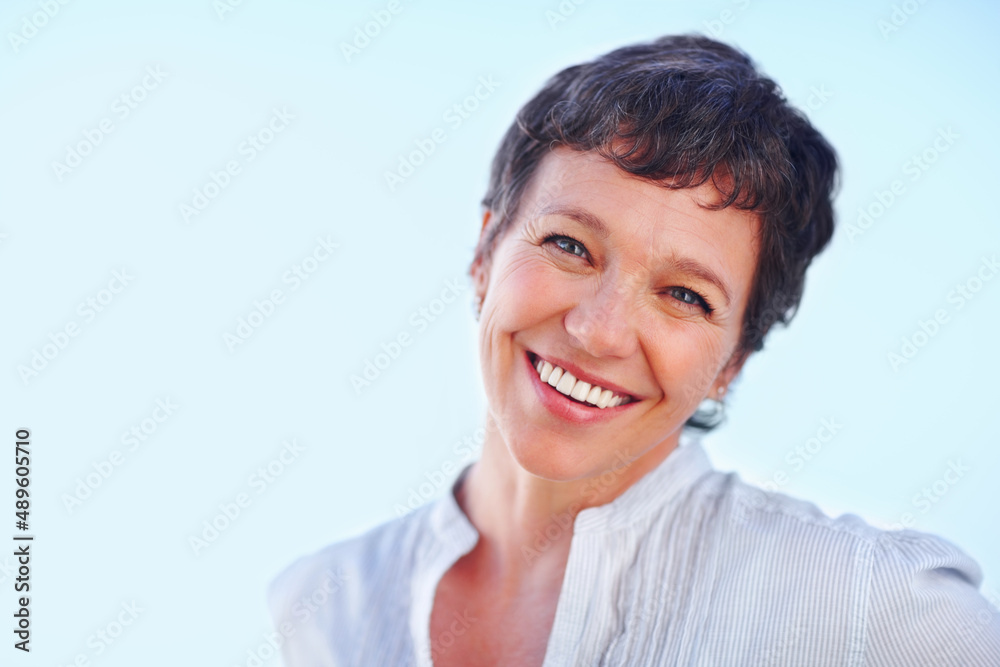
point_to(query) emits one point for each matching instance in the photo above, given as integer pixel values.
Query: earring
(477, 306)
(711, 412)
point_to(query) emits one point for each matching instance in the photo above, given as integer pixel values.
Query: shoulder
(775, 516)
(349, 565)
(317, 602)
(771, 518)
(903, 597)
(924, 600)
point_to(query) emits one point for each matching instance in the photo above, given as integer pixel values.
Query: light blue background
(162, 336)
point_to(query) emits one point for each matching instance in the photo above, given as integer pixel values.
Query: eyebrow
(585, 218)
(684, 265)
(699, 270)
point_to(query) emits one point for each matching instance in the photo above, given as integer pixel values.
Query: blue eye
(690, 297)
(567, 244)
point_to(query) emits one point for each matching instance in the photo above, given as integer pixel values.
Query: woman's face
(623, 284)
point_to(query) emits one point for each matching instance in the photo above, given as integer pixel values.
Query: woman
(649, 218)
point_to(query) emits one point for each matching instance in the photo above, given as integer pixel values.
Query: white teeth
(566, 383)
(580, 390)
(544, 371)
(604, 398)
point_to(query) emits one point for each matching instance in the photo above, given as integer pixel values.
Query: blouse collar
(653, 492)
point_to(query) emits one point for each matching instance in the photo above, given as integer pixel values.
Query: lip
(565, 407)
(580, 374)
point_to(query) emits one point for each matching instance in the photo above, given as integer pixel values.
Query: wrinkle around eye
(566, 261)
(519, 260)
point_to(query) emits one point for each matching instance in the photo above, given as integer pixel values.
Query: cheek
(685, 360)
(523, 291)
(511, 304)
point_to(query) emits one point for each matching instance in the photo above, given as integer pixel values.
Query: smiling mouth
(584, 393)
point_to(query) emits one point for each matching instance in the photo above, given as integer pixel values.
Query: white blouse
(690, 566)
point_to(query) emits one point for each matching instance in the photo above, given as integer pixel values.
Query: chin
(553, 459)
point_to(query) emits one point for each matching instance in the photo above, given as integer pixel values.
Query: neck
(525, 522)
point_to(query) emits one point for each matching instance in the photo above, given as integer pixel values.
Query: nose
(602, 322)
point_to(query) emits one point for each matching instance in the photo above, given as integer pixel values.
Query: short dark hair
(681, 110)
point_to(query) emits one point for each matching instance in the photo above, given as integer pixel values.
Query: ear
(480, 269)
(729, 372)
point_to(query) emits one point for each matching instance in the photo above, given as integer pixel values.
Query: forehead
(642, 217)
(563, 169)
